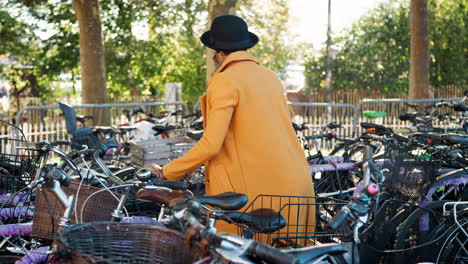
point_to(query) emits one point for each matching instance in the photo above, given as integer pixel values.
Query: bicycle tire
(334, 181)
(409, 233)
(458, 179)
(450, 252)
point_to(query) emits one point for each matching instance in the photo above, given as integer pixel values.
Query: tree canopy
(374, 52)
(171, 51)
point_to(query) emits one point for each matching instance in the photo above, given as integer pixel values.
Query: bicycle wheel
(450, 186)
(454, 249)
(424, 223)
(335, 181)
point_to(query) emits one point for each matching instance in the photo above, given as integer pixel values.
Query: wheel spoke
(462, 246)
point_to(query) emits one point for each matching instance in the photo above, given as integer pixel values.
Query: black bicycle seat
(163, 128)
(261, 220)
(333, 125)
(409, 116)
(82, 119)
(123, 130)
(306, 254)
(460, 107)
(225, 201)
(195, 135)
(378, 129)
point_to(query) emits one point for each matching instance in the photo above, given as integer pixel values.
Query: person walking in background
(249, 145)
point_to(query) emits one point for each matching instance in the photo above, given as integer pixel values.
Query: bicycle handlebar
(100, 151)
(54, 174)
(339, 219)
(174, 185)
(270, 254)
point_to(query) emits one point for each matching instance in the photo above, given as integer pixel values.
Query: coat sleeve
(222, 97)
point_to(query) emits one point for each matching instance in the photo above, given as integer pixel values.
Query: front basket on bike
(48, 210)
(17, 166)
(110, 242)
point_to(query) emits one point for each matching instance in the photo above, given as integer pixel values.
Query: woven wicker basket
(110, 242)
(48, 210)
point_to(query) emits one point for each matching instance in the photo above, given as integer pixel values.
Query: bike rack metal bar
(48, 107)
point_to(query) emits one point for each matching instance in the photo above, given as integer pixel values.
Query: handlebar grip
(174, 185)
(270, 254)
(339, 219)
(104, 147)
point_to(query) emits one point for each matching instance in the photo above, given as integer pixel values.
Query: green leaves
(269, 19)
(45, 35)
(374, 52)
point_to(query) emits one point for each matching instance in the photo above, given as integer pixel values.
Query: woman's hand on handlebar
(156, 170)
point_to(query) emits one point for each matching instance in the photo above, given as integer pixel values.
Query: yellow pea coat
(249, 145)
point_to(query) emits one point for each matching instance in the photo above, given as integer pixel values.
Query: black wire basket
(410, 172)
(111, 242)
(305, 222)
(17, 166)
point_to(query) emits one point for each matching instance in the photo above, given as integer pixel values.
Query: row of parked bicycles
(386, 196)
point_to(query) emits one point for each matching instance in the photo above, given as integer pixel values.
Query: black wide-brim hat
(229, 33)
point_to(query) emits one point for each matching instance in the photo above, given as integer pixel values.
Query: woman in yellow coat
(249, 145)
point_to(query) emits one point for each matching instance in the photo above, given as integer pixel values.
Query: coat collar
(237, 56)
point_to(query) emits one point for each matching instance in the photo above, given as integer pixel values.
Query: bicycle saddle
(261, 220)
(409, 116)
(225, 201)
(82, 119)
(378, 129)
(306, 254)
(460, 107)
(123, 130)
(195, 135)
(333, 125)
(162, 196)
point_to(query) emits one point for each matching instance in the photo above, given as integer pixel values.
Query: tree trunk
(217, 8)
(419, 58)
(93, 70)
(134, 92)
(329, 90)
